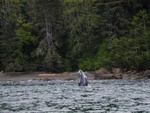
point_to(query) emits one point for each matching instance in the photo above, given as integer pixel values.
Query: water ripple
(111, 96)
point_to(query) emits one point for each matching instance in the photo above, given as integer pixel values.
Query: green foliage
(126, 53)
(121, 52)
(24, 33)
(81, 22)
(25, 40)
(102, 56)
(100, 59)
(87, 63)
(67, 65)
(56, 35)
(52, 62)
(47, 20)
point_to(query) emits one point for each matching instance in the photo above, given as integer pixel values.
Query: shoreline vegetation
(100, 74)
(67, 35)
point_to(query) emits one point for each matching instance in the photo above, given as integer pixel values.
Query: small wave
(36, 96)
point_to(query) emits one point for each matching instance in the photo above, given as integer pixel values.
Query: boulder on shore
(147, 74)
(103, 73)
(116, 73)
(116, 70)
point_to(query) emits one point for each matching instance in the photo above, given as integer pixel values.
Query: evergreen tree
(64, 35)
(82, 24)
(47, 19)
(7, 38)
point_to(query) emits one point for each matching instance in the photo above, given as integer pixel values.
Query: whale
(82, 79)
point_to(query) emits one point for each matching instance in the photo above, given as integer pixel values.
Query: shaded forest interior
(67, 35)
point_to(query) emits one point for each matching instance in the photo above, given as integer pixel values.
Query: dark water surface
(101, 96)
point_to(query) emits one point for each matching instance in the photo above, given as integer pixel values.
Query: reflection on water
(111, 96)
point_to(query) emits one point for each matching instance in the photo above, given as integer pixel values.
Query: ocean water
(60, 96)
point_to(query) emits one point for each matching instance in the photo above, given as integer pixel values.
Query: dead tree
(49, 36)
(5, 8)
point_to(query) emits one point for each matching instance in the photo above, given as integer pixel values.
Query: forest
(67, 35)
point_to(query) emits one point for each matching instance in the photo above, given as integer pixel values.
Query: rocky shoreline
(102, 73)
(118, 73)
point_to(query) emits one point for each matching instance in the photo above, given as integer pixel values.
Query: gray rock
(146, 73)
